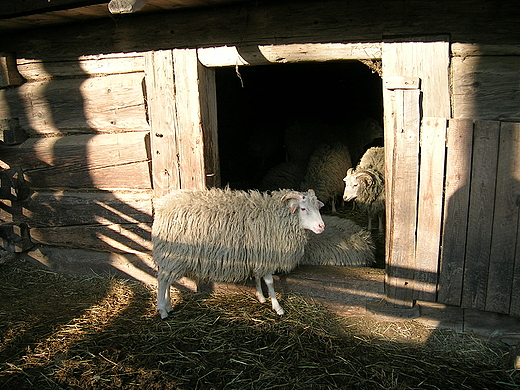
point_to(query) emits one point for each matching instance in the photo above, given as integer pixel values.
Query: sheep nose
(321, 227)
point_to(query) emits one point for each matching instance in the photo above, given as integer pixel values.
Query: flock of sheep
(231, 235)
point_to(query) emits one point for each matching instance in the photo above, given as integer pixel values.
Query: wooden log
(127, 238)
(252, 24)
(56, 209)
(93, 65)
(505, 221)
(429, 214)
(103, 161)
(456, 207)
(138, 266)
(15, 237)
(281, 54)
(101, 104)
(480, 218)
(486, 88)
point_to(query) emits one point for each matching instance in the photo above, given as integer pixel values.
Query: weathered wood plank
(281, 54)
(188, 118)
(160, 95)
(265, 23)
(429, 60)
(456, 205)
(71, 261)
(486, 87)
(480, 218)
(208, 116)
(100, 104)
(128, 238)
(403, 205)
(56, 209)
(505, 221)
(94, 65)
(429, 215)
(103, 161)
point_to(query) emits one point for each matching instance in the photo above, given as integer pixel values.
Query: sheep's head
(308, 207)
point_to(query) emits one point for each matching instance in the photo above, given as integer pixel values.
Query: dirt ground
(68, 332)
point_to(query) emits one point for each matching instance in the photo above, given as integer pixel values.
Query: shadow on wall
(87, 181)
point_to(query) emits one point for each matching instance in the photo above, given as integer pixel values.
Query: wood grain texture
(456, 207)
(103, 161)
(505, 221)
(486, 87)
(430, 202)
(480, 217)
(160, 95)
(113, 103)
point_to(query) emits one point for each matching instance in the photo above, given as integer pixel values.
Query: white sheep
(325, 172)
(366, 185)
(229, 236)
(343, 243)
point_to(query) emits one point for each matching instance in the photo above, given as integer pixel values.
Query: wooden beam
(102, 161)
(12, 8)
(281, 54)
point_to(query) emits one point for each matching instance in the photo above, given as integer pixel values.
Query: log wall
(86, 162)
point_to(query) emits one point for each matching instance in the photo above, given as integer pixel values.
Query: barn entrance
(260, 106)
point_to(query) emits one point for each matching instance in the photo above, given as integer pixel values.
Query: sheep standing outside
(366, 185)
(229, 236)
(325, 172)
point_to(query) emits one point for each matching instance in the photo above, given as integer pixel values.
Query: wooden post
(181, 99)
(160, 96)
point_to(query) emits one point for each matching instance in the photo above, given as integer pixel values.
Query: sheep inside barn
(229, 236)
(256, 110)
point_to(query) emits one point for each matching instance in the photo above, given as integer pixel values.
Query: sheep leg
(259, 293)
(274, 302)
(369, 222)
(164, 304)
(380, 218)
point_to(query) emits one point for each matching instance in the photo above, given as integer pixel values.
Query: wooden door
(416, 108)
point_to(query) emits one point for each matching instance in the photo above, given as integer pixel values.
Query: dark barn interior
(256, 104)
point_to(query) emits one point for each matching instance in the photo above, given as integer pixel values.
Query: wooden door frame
(415, 86)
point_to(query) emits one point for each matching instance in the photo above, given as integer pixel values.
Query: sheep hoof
(163, 313)
(280, 311)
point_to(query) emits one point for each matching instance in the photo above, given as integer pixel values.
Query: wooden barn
(101, 112)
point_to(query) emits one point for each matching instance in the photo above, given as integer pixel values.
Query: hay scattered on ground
(63, 332)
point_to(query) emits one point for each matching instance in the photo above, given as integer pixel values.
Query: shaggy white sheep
(326, 170)
(366, 185)
(343, 243)
(229, 236)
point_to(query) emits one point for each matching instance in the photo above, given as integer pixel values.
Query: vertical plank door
(416, 80)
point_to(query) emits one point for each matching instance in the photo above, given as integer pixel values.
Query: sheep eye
(303, 208)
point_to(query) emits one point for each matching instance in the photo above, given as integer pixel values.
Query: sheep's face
(352, 187)
(308, 207)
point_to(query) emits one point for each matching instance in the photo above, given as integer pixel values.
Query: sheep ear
(350, 171)
(320, 204)
(294, 206)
